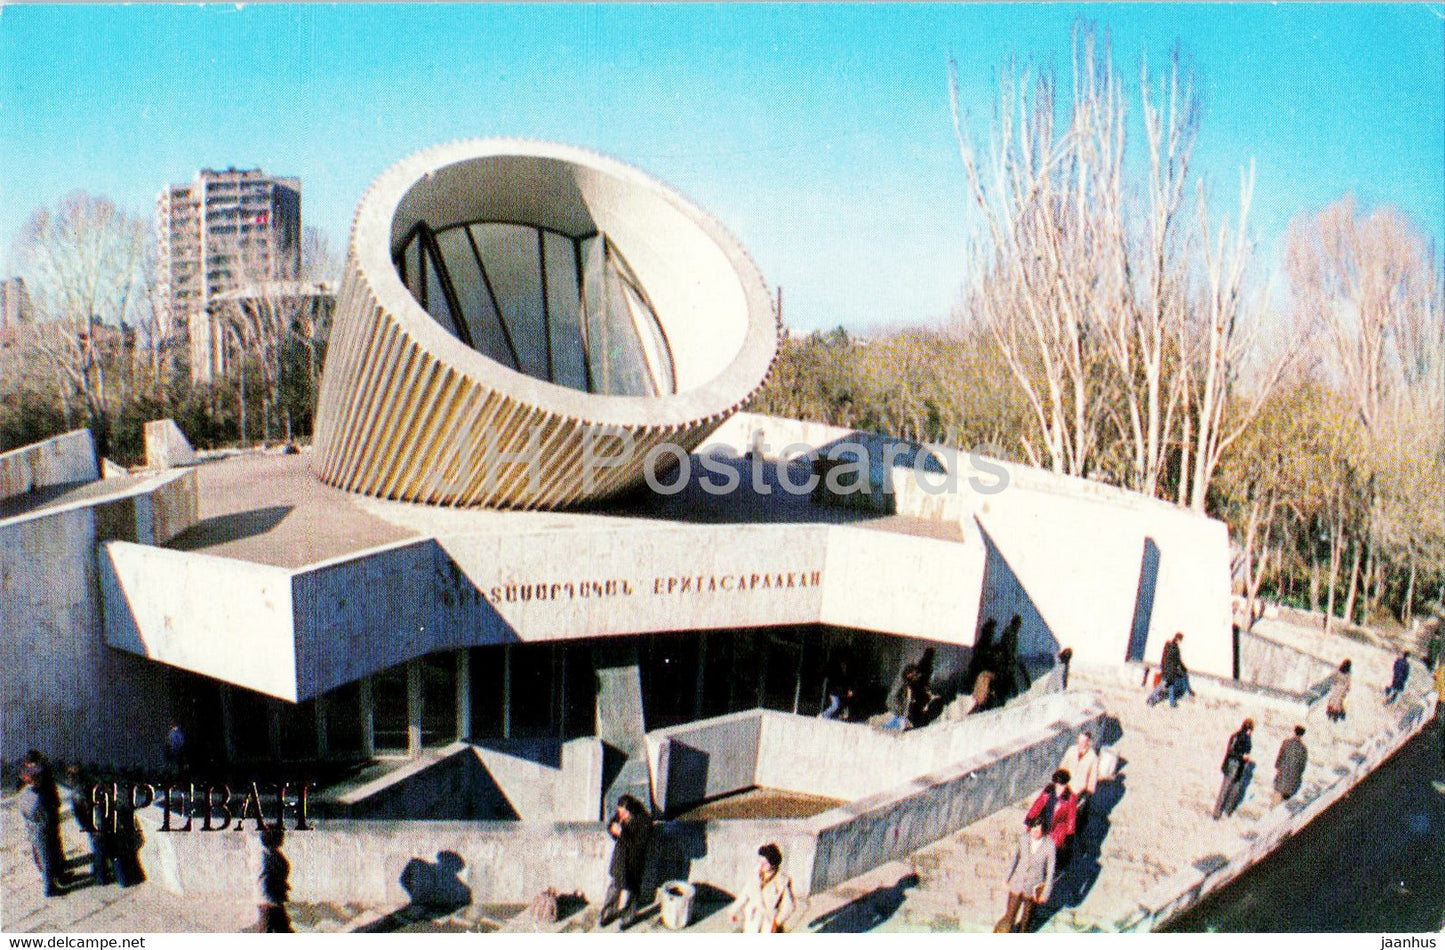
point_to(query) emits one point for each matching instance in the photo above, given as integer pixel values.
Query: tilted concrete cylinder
(520, 324)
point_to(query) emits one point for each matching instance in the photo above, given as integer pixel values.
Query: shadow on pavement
(866, 912)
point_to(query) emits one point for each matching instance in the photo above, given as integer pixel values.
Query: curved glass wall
(564, 309)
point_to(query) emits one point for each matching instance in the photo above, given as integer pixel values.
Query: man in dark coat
(631, 827)
(1289, 765)
(38, 819)
(1398, 677)
(273, 884)
(1173, 674)
(1236, 768)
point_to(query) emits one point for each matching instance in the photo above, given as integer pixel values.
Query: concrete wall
(63, 460)
(702, 760)
(362, 614)
(63, 690)
(1073, 549)
(166, 445)
(847, 761)
(522, 780)
(844, 761)
(1271, 663)
(895, 823)
(902, 584)
(231, 620)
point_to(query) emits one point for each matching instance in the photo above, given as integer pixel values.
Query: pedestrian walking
(176, 757)
(38, 767)
(1339, 689)
(273, 884)
(38, 819)
(1399, 674)
(631, 828)
(1174, 675)
(1082, 764)
(840, 691)
(1236, 769)
(1030, 878)
(1289, 766)
(767, 900)
(1058, 808)
(83, 808)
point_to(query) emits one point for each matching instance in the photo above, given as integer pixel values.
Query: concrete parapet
(1269, 662)
(62, 460)
(167, 446)
(543, 780)
(841, 760)
(51, 627)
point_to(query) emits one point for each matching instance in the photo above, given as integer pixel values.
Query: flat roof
(270, 509)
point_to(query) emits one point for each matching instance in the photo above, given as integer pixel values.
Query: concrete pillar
(701, 669)
(507, 691)
(322, 745)
(368, 721)
(413, 708)
(620, 725)
(464, 694)
(228, 745)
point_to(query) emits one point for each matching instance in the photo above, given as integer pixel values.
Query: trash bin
(676, 901)
(1108, 764)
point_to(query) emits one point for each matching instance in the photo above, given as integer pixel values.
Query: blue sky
(818, 134)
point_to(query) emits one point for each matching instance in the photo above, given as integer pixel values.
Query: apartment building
(217, 232)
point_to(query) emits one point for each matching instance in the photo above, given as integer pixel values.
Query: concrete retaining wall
(840, 760)
(880, 828)
(63, 460)
(540, 780)
(52, 644)
(1184, 889)
(698, 761)
(1271, 663)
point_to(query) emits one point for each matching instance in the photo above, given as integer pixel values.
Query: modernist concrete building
(215, 233)
(394, 593)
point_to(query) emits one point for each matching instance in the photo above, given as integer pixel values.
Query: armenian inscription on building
(690, 585)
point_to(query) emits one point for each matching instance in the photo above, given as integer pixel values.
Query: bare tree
(84, 264)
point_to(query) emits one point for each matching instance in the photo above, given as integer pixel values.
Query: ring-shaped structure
(413, 408)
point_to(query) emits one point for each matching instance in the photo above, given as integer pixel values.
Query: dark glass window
(343, 720)
(389, 710)
(533, 682)
(439, 699)
(488, 673)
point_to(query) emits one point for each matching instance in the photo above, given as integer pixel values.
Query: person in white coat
(767, 899)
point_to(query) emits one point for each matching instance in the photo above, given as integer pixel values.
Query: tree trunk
(1354, 582)
(1336, 545)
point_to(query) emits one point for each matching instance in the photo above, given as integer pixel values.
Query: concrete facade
(64, 691)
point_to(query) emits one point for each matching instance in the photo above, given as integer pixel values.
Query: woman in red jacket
(1059, 807)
